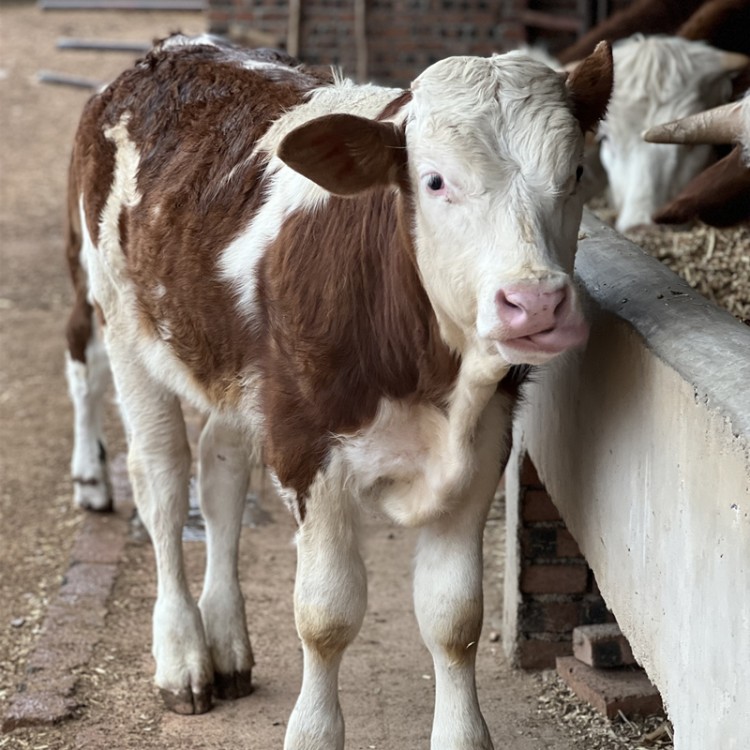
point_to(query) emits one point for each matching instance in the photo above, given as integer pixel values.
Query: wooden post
(360, 37)
(293, 35)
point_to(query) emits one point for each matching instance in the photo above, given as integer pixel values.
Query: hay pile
(715, 262)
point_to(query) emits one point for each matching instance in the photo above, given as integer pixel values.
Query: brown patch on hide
(92, 166)
(394, 107)
(78, 328)
(195, 115)
(79, 324)
(348, 323)
(724, 24)
(719, 195)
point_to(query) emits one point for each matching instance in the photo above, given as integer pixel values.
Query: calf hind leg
(159, 465)
(223, 480)
(87, 371)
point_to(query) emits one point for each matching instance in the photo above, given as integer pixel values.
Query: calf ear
(345, 154)
(590, 86)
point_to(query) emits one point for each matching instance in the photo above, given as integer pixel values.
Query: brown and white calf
(343, 277)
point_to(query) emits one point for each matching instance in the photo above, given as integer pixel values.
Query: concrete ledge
(643, 443)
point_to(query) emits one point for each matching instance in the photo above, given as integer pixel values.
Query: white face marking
(494, 151)
(657, 80)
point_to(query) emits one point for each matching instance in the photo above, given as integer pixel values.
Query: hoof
(187, 702)
(229, 687)
(91, 494)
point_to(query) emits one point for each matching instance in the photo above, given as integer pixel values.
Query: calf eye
(435, 182)
(579, 174)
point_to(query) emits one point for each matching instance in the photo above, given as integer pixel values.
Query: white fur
(415, 461)
(288, 192)
(511, 210)
(657, 79)
(88, 384)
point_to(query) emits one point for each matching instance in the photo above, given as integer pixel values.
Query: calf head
(658, 79)
(486, 154)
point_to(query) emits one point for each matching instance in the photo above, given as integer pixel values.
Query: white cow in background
(658, 79)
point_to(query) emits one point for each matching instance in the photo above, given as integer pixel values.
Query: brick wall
(403, 36)
(557, 589)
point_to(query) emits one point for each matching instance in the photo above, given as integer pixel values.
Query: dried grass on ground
(592, 730)
(716, 262)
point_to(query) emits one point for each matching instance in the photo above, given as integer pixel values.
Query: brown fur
(644, 16)
(590, 86)
(79, 325)
(194, 117)
(720, 195)
(350, 323)
(723, 23)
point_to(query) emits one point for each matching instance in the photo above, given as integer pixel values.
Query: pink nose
(528, 308)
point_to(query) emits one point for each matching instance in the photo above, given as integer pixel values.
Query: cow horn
(732, 61)
(719, 125)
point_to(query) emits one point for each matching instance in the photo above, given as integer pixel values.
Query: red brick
(539, 541)
(529, 476)
(554, 579)
(37, 709)
(611, 691)
(548, 616)
(602, 646)
(59, 658)
(534, 653)
(566, 545)
(81, 615)
(536, 505)
(89, 579)
(101, 540)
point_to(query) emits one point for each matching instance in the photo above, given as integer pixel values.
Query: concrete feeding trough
(643, 443)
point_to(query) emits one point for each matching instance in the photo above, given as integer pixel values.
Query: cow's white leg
(159, 466)
(88, 379)
(330, 598)
(223, 480)
(448, 600)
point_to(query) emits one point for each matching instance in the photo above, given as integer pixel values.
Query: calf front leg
(448, 601)
(223, 480)
(330, 598)
(449, 608)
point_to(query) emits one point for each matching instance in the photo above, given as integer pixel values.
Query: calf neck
(349, 280)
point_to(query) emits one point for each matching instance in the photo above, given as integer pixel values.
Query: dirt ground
(386, 685)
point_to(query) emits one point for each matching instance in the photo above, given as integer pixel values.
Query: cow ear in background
(345, 154)
(590, 86)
